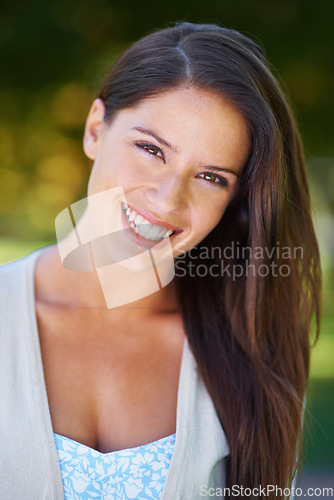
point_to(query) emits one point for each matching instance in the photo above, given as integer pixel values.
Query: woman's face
(177, 156)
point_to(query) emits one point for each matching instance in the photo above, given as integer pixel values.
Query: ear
(93, 129)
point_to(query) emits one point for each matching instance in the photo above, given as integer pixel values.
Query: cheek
(214, 213)
(207, 220)
(107, 172)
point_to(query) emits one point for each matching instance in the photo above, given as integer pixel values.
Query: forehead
(183, 102)
(191, 119)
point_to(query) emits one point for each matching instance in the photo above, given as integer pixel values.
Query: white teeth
(154, 232)
(143, 227)
(139, 220)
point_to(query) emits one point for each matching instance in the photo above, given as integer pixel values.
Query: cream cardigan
(29, 467)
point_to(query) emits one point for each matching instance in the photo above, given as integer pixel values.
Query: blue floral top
(133, 473)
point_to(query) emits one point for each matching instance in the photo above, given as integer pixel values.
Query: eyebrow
(221, 169)
(175, 149)
(156, 137)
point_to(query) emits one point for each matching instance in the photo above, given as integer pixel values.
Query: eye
(214, 178)
(151, 149)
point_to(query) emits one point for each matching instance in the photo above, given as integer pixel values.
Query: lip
(142, 241)
(153, 220)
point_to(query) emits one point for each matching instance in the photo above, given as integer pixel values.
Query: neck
(82, 289)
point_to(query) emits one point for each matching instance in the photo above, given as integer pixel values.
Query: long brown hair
(248, 330)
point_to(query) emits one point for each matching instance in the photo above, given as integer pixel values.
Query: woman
(200, 385)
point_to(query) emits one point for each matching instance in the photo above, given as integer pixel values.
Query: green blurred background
(54, 55)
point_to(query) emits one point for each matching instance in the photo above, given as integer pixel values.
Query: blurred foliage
(318, 425)
(54, 56)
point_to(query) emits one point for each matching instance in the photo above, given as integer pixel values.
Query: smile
(143, 227)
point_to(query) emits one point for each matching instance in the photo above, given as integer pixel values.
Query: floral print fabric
(133, 473)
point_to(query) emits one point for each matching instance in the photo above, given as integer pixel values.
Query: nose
(168, 196)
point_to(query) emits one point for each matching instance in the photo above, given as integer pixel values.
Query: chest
(110, 386)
